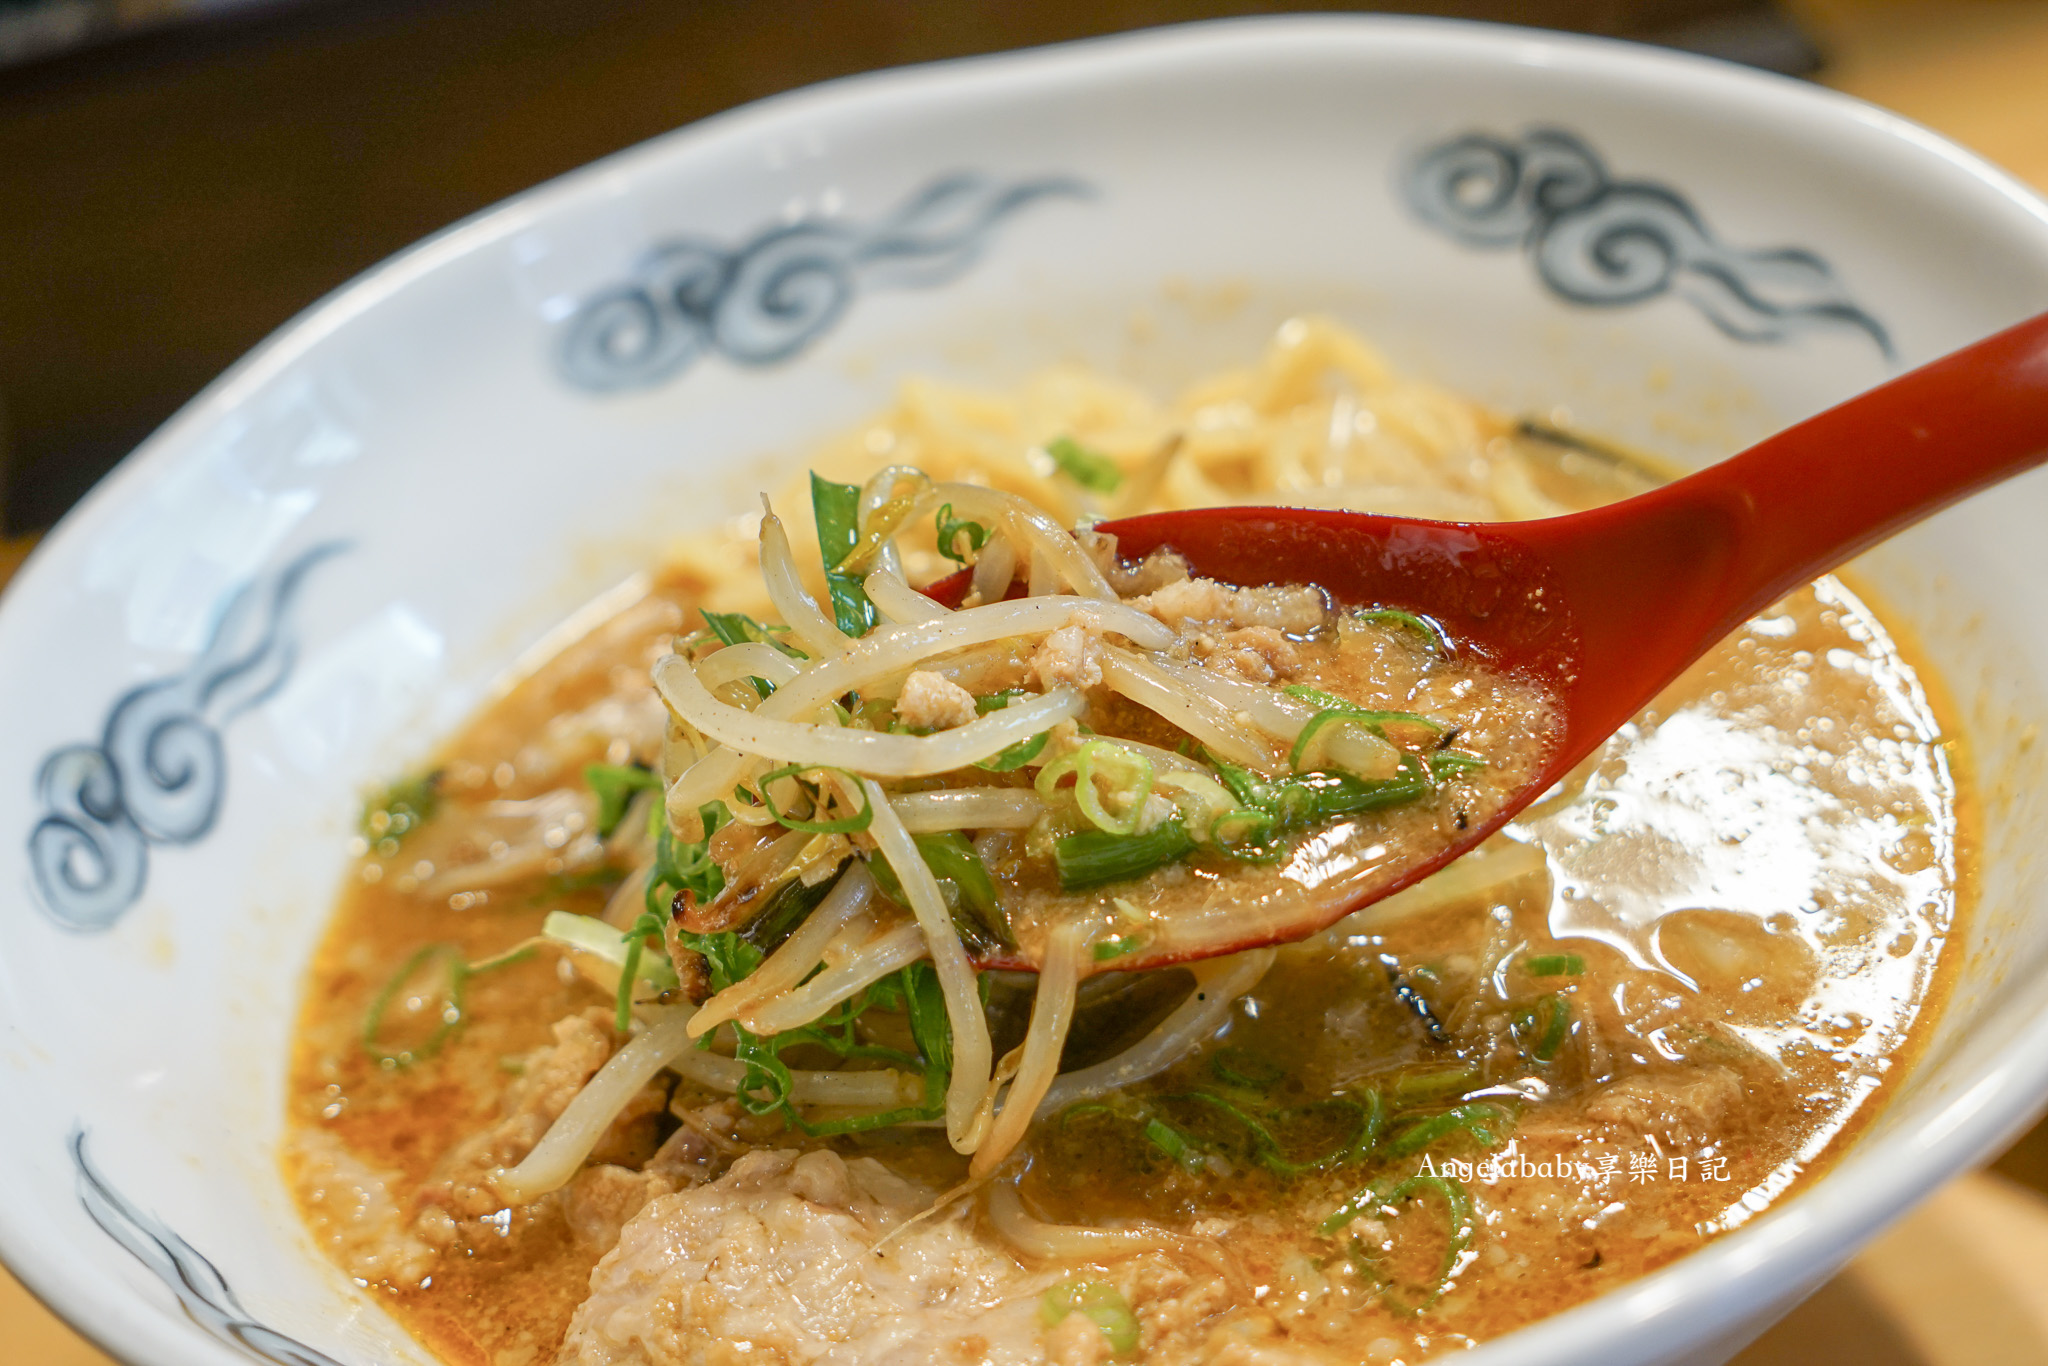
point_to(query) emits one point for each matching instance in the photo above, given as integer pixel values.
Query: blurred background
(178, 178)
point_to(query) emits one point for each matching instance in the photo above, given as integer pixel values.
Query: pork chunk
(462, 1184)
(1681, 1107)
(779, 1253)
(601, 1198)
(932, 702)
(352, 1214)
(1068, 657)
(1257, 654)
(1296, 610)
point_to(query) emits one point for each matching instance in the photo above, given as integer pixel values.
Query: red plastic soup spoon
(1607, 607)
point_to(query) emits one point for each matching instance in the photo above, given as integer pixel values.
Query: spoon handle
(1678, 568)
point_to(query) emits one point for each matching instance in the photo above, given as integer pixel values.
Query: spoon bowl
(1604, 608)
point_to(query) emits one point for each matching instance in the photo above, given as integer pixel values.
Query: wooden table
(1964, 1281)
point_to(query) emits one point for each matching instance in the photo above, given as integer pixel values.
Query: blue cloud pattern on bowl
(767, 299)
(159, 772)
(202, 1291)
(1606, 243)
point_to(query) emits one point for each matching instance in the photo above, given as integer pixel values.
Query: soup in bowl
(738, 946)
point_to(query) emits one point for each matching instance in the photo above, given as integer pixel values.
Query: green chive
(789, 906)
(964, 881)
(1306, 800)
(837, 509)
(1554, 965)
(737, 628)
(925, 1002)
(1093, 857)
(615, 785)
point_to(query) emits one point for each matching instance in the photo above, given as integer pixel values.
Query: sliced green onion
(588, 934)
(447, 1019)
(686, 867)
(737, 628)
(964, 882)
(1242, 832)
(1098, 1301)
(845, 825)
(951, 529)
(1093, 857)
(1131, 787)
(1085, 1110)
(1434, 1083)
(727, 957)
(1473, 1119)
(914, 990)
(399, 810)
(1129, 773)
(1450, 763)
(1554, 965)
(1236, 1067)
(1458, 1210)
(1014, 757)
(1273, 1155)
(1421, 626)
(615, 785)
(1544, 1026)
(1092, 470)
(1173, 1143)
(518, 953)
(837, 509)
(1109, 950)
(1351, 715)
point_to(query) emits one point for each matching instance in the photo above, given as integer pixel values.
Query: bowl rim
(1786, 1250)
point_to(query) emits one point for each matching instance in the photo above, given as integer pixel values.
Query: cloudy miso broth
(1665, 996)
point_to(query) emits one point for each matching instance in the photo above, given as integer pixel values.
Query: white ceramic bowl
(324, 561)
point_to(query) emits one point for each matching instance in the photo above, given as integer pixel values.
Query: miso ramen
(801, 966)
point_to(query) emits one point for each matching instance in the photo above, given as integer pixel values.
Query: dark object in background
(30, 29)
(173, 197)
